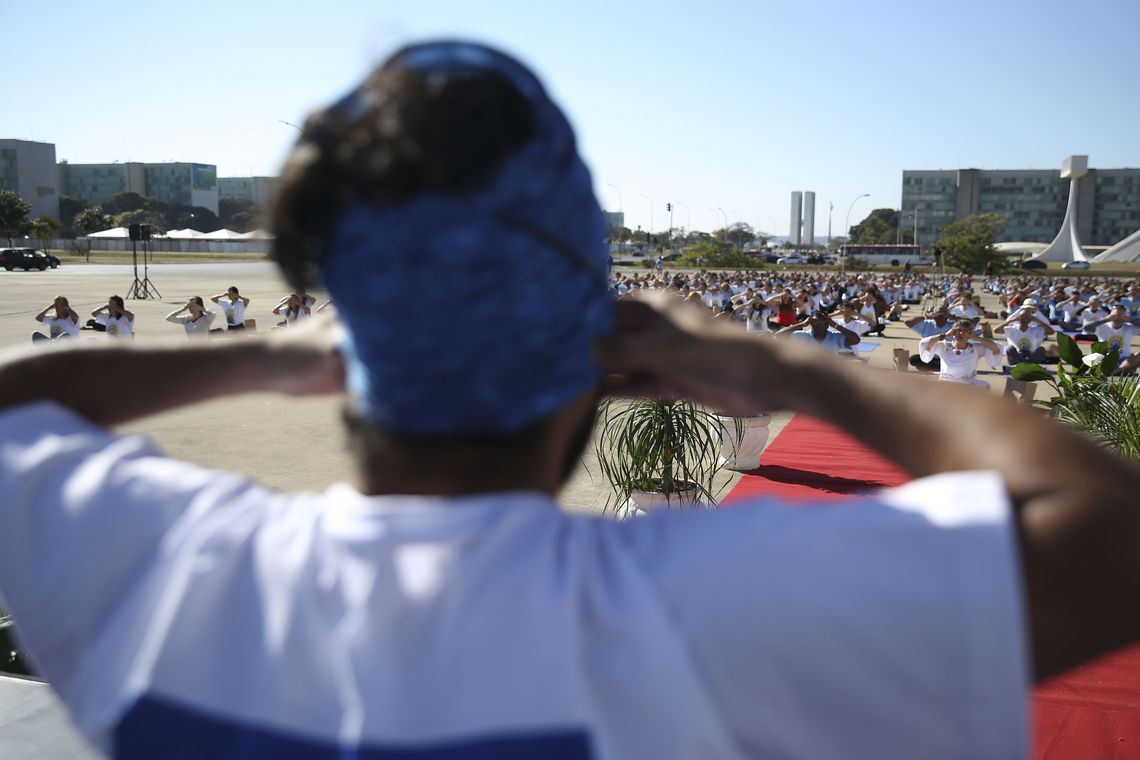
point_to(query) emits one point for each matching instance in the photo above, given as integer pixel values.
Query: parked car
(771, 258)
(53, 260)
(1075, 265)
(1029, 264)
(795, 258)
(23, 258)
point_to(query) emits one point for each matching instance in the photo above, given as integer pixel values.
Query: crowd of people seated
(837, 311)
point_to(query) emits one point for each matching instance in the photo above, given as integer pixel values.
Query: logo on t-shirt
(56, 331)
(112, 329)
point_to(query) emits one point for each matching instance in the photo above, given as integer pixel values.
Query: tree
(881, 227)
(14, 212)
(718, 254)
(127, 201)
(45, 228)
(968, 244)
(69, 208)
(197, 218)
(239, 214)
(140, 216)
(737, 235)
(92, 219)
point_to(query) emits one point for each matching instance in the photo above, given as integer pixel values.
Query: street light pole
(830, 208)
(650, 201)
(847, 227)
(291, 124)
(688, 216)
(615, 187)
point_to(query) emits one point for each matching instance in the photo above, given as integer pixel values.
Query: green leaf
(1069, 350)
(1111, 361)
(1100, 347)
(1029, 372)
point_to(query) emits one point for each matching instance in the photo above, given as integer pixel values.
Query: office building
(809, 219)
(28, 168)
(794, 222)
(185, 184)
(1032, 202)
(256, 189)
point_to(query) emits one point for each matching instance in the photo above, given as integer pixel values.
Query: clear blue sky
(718, 104)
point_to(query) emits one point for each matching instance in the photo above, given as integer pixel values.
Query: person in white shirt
(1117, 330)
(1067, 311)
(1025, 333)
(442, 605)
(1093, 314)
(60, 320)
(848, 316)
(966, 308)
(194, 317)
(820, 330)
(113, 319)
(756, 314)
(935, 324)
(960, 352)
(233, 305)
(294, 309)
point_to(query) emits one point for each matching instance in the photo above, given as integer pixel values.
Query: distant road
(157, 270)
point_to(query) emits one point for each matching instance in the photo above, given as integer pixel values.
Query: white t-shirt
(60, 326)
(117, 327)
(1092, 315)
(198, 327)
(855, 325)
(1068, 310)
(966, 312)
(174, 607)
(234, 311)
(1029, 339)
(957, 365)
(1117, 337)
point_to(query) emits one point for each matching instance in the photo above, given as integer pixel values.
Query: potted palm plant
(659, 454)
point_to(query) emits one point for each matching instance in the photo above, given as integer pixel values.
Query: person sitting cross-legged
(1025, 332)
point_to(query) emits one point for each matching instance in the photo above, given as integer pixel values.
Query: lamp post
(290, 124)
(615, 187)
(650, 202)
(847, 228)
(688, 216)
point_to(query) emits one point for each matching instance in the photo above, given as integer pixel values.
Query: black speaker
(135, 231)
(144, 232)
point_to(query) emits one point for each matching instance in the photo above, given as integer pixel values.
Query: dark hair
(118, 301)
(233, 289)
(421, 132)
(198, 300)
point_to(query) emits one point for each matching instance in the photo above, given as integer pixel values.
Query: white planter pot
(743, 454)
(641, 503)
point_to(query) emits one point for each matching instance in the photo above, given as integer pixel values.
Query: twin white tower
(805, 199)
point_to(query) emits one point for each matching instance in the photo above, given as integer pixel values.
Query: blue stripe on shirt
(154, 729)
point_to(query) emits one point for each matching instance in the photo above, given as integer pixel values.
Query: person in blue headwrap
(442, 605)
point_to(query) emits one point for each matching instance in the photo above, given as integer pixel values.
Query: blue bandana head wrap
(475, 312)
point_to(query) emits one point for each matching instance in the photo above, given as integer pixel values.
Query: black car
(26, 259)
(1029, 264)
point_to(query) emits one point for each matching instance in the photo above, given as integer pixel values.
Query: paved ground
(285, 443)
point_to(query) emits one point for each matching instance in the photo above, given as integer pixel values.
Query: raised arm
(303, 362)
(40, 317)
(173, 316)
(1079, 528)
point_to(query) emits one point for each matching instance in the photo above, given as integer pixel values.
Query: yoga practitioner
(959, 351)
(196, 320)
(442, 605)
(113, 319)
(1025, 332)
(233, 305)
(60, 320)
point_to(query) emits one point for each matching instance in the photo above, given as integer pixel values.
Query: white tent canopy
(222, 235)
(114, 232)
(1127, 249)
(256, 235)
(186, 233)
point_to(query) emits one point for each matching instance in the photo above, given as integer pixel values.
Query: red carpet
(1090, 713)
(811, 460)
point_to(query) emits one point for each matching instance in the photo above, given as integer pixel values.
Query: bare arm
(305, 362)
(40, 317)
(1079, 529)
